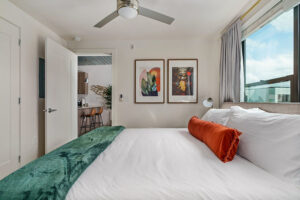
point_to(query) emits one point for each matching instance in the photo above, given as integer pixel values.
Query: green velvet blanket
(51, 176)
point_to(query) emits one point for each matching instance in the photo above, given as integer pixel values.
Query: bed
(154, 164)
(171, 164)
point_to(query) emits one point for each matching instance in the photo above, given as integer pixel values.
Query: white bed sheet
(161, 164)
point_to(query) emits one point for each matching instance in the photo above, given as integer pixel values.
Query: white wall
(207, 50)
(33, 35)
(98, 75)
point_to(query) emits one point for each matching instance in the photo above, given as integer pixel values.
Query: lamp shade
(128, 12)
(208, 103)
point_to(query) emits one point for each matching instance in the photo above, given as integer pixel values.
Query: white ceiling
(193, 18)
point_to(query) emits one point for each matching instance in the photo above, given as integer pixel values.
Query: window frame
(294, 78)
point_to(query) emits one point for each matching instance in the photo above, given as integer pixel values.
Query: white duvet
(152, 164)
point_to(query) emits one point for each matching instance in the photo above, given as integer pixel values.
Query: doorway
(94, 92)
(61, 94)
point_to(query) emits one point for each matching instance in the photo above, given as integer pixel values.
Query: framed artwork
(183, 81)
(149, 81)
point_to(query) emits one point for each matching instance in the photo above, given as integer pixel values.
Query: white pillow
(251, 110)
(219, 116)
(270, 141)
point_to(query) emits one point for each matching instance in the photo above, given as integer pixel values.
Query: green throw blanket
(51, 176)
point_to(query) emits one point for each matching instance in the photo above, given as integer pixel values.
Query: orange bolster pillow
(223, 141)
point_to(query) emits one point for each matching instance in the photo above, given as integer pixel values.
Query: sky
(269, 51)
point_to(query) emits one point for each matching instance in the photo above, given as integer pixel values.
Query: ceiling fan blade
(155, 15)
(107, 19)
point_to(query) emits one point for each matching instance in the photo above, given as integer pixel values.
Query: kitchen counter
(89, 107)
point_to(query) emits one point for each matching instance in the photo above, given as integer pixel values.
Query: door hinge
(19, 159)
(19, 100)
(19, 42)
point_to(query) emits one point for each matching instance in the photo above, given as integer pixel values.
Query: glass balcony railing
(271, 93)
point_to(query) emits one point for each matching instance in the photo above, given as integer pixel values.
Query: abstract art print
(182, 80)
(149, 81)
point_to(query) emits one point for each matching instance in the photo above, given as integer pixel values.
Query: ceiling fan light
(128, 12)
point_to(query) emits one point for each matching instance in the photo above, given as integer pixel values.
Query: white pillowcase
(251, 110)
(270, 141)
(219, 116)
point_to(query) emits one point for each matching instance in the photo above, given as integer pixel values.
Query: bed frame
(286, 108)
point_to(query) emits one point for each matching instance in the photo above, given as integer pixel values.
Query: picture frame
(182, 78)
(149, 80)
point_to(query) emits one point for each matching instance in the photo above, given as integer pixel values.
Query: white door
(9, 98)
(61, 96)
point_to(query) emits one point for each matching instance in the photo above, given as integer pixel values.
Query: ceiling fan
(129, 9)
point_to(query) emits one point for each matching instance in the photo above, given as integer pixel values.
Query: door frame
(97, 52)
(20, 97)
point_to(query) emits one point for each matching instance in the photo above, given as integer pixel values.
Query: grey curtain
(230, 65)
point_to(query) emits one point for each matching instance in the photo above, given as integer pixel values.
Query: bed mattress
(171, 164)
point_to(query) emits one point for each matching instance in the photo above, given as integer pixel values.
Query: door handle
(50, 110)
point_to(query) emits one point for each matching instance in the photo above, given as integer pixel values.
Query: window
(271, 61)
